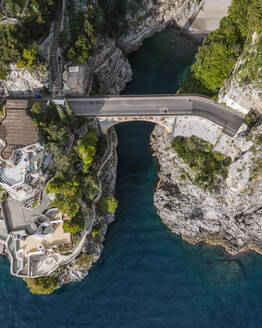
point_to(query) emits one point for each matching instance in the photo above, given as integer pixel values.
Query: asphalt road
(155, 105)
(158, 106)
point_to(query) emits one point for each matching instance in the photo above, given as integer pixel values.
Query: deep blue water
(147, 276)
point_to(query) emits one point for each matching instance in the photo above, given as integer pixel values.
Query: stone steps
(56, 79)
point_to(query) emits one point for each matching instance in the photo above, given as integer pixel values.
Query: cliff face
(111, 69)
(153, 17)
(229, 216)
(242, 91)
(23, 81)
(110, 64)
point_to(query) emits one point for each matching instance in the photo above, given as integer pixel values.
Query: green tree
(66, 195)
(37, 109)
(87, 147)
(215, 61)
(58, 134)
(91, 188)
(61, 113)
(68, 109)
(238, 11)
(67, 205)
(82, 36)
(29, 57)
(107, 204)
(220, 51)
(255, 16)
(73, 226)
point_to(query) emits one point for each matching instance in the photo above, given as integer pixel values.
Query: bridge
(111, 110)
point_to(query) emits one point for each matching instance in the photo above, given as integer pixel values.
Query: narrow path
(89, 224)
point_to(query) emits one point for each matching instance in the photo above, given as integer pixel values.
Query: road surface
(157, 105)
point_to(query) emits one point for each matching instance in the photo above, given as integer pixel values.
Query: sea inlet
(147, 277)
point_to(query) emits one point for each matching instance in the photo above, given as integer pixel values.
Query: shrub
(73, 226)
(29, 57)
(107, 204)
(91, 188)
(207, 164)
(42, 285)
(84, 260)
(87, 147)
(251, 119)
(36, 109)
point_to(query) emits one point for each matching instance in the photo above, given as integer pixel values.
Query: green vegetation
(28, 57)
(107, 204)
(257, 168)
(250, 70)
(110, 18)
(2, 110)
(220, 51)
(86, 149)
(84, 260)
(42, 285)
(78, 37)
(90, 187)
(87, 20)
(67, 194)
(18, 41)
(35, 203)
(36, 109)
(4, 196)
(73, 226)
(208, 165)
(251, 119)
(74, 154)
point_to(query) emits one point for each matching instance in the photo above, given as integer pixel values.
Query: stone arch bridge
(160, 109)
(183, 115)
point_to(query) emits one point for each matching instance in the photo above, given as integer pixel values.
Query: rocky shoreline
(229, 217)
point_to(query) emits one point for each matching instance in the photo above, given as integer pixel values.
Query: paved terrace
(157, 106)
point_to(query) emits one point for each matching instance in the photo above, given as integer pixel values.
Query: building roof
(16, 128)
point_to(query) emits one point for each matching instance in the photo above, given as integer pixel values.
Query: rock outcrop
(113, 72)
(242, 90)
(24, 82)
(229, 216)
(153, 18)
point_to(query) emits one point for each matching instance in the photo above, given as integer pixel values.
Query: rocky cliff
(109, 64)
(242, 91)
(230, 215)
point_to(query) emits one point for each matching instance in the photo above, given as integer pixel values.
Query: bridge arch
(106, 124)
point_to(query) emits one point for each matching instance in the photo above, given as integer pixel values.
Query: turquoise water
(147, 277)
(161, 64)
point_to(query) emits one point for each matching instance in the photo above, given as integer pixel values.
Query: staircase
(56, 75)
